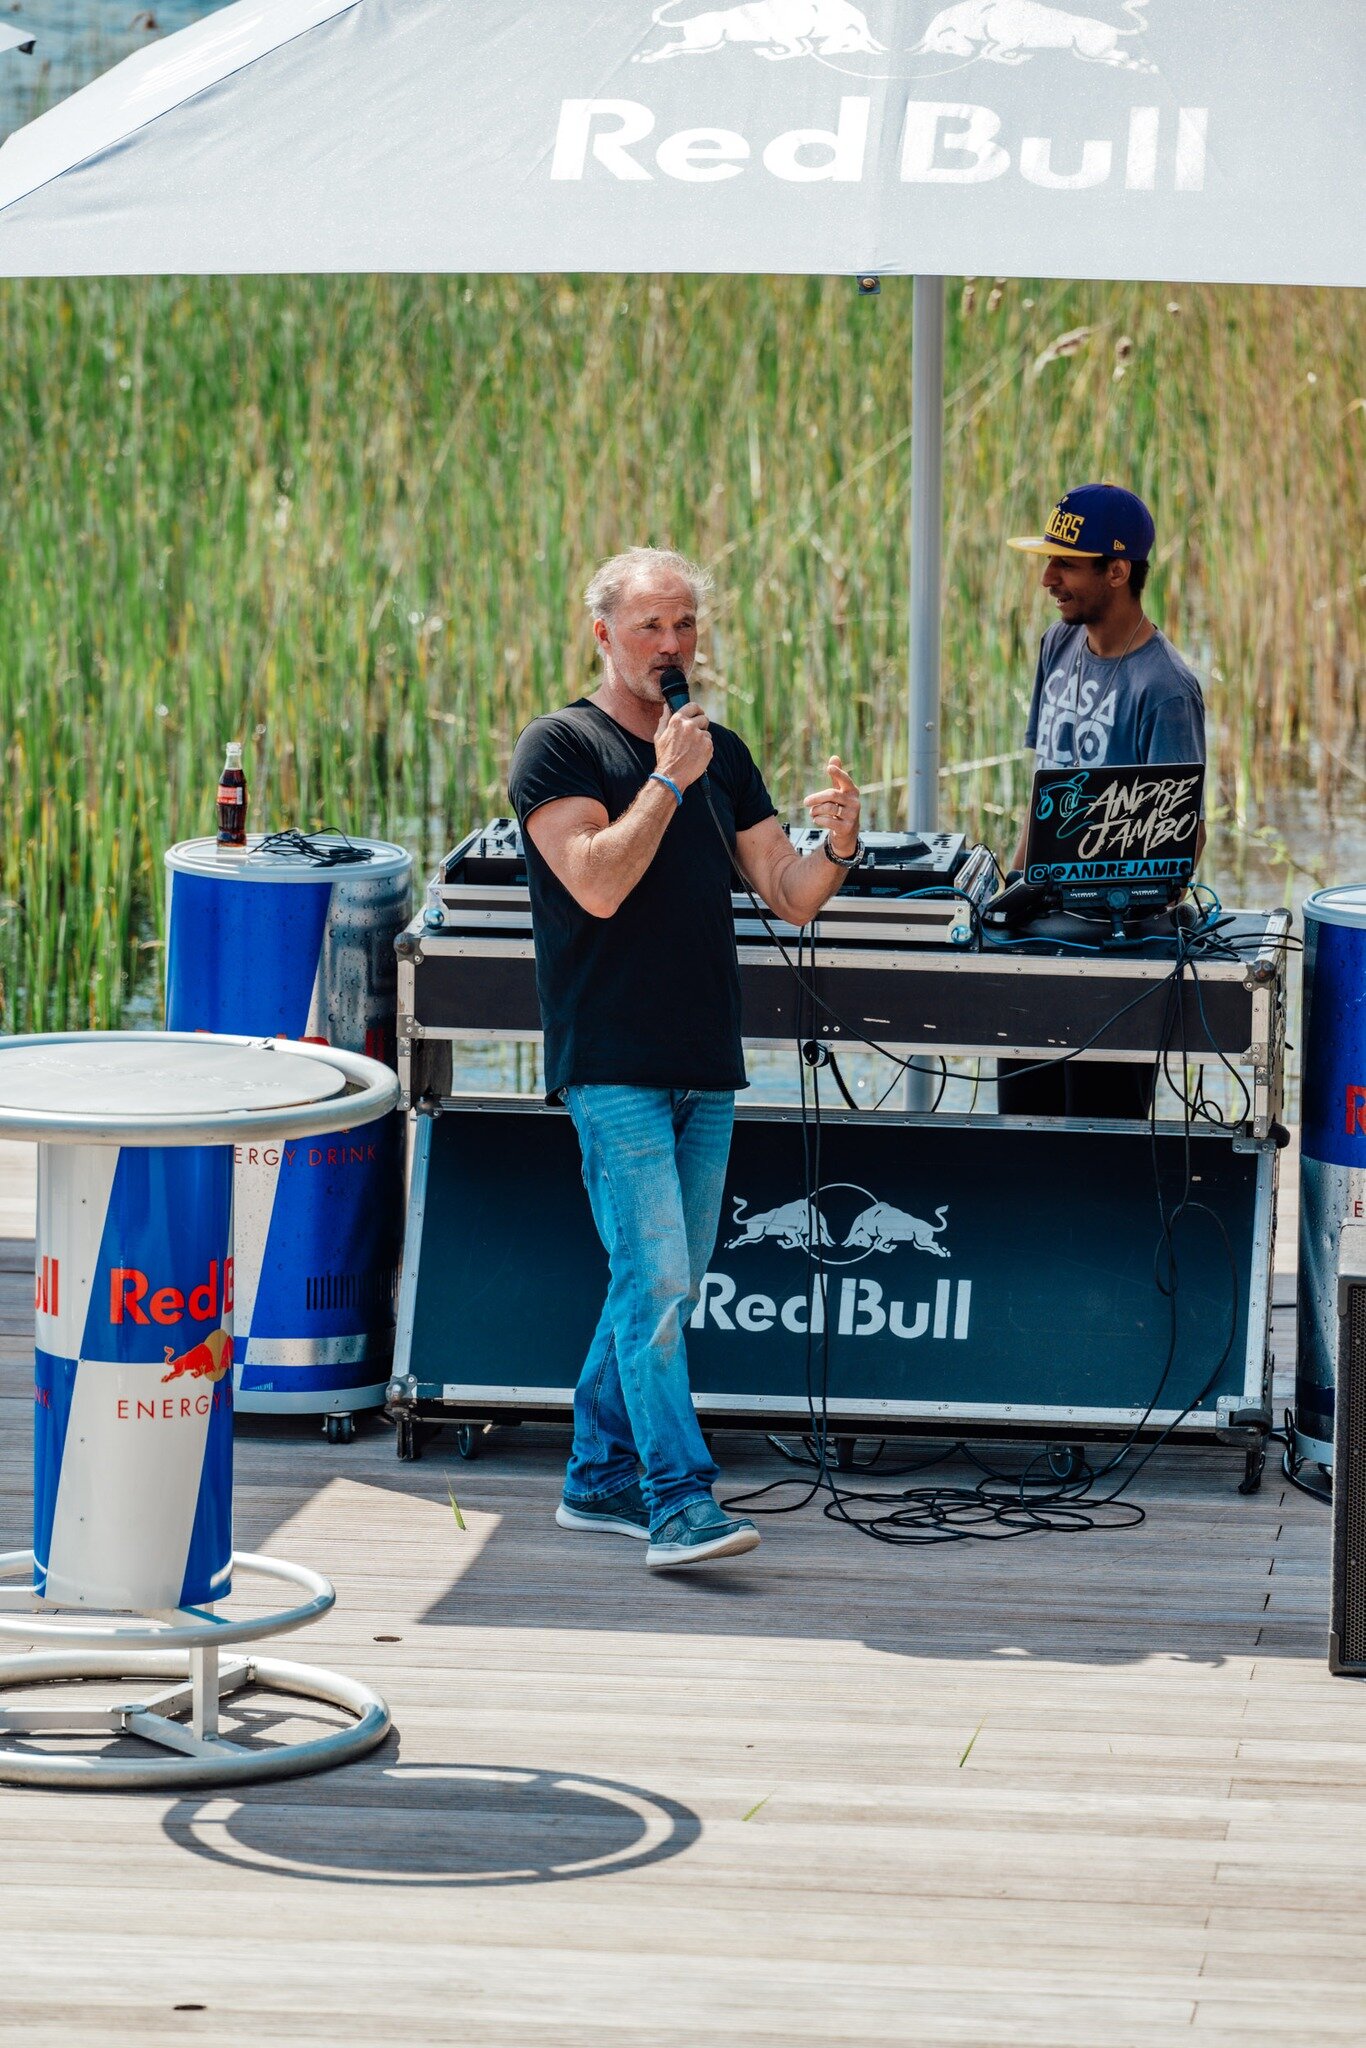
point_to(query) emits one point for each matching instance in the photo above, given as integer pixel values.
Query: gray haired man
(631, 857)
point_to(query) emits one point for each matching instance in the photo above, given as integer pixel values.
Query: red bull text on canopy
(273, 946)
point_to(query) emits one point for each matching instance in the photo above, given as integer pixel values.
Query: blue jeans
(654, 1165)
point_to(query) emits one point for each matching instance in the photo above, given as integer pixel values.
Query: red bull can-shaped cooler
(133, 1376)
(1332, 1144)
(271, 945)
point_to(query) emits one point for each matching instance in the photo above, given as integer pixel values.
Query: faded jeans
(654, 1165)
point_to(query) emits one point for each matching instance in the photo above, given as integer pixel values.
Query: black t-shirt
(650, 997)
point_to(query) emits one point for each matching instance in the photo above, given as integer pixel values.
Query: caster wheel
(467, 1439)
(340, 1429)
(1066, 1461)
(407, 1442)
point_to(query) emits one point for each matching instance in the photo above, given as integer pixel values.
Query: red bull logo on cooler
(130, 1288)
(47, 1286)
(210, 1360)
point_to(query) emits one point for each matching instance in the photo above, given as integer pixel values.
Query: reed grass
(349, 520)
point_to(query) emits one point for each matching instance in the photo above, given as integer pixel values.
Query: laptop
(1111, 842)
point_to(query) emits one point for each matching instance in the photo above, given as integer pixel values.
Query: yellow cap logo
(1064, 526)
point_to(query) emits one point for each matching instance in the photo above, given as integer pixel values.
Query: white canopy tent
(1145, 139)
(1141, 138)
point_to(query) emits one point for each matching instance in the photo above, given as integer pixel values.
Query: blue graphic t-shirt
(1092, 713)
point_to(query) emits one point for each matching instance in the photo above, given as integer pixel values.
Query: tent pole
(927, 534)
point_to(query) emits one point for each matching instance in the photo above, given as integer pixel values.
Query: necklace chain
(1079, 675)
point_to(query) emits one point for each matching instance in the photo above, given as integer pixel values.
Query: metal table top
(182, 1088)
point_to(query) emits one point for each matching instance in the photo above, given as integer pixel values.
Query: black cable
(1002, 1506)
(922, 1515)
(1223, 1059)
(310, 847)
(809, 1456)
(838, 1077)
(1292, 1467)
(807, 989)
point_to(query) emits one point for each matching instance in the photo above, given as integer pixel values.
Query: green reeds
(348, 520)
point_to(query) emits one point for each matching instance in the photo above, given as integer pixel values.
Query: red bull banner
(134, 1286)
(973, 1268)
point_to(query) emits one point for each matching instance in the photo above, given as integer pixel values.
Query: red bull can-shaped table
(132, 1383)
(269, 943)
(135, 1289)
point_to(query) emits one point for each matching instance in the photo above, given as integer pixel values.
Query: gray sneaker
(621, 1514)
(698, 1533)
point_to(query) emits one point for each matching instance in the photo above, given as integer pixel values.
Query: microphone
(674, 688)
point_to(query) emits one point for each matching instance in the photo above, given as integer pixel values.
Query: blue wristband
(655, 776)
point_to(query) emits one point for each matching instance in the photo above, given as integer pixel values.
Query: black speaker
(1347, 1624)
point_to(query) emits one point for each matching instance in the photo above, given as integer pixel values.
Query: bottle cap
(234, 750)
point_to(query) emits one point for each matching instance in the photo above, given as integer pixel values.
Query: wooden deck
(1098, 1790)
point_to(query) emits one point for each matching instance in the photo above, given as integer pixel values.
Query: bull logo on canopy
(997, 31)
(775, 29)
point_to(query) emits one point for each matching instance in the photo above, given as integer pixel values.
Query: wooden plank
(1042, 1793)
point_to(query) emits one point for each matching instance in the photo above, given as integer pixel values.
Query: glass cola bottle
(232, 802)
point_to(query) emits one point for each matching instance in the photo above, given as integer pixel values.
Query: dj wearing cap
(1109, 690)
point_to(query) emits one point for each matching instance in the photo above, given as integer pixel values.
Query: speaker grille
(1349, 1490)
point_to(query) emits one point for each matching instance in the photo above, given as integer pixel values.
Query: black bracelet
(839, 859)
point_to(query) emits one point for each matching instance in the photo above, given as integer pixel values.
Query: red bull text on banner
(1332, 1144)
(133, 1376)
(271, 945)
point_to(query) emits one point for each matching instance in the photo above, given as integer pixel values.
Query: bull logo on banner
(840, 1225)
(874, 1226)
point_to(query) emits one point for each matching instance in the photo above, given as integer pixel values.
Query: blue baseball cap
(1095, 520)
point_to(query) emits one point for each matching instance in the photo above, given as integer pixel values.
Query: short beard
(1091, 610)
(640, 688)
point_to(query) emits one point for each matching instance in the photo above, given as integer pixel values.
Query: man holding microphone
(632, 815)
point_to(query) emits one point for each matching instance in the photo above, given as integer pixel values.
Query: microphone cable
(676, 695)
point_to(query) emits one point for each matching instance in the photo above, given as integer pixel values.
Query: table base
(180, 1722)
